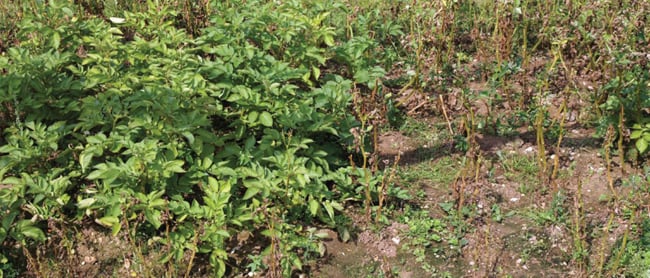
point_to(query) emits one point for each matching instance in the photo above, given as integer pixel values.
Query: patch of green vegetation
(522, 169)
(432, 240)
(439, 173)
(182, 140)
(635, 257)
(180, 124)
(7, 269)
(557, 213)
(424, 131)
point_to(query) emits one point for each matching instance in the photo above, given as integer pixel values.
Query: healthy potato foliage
(128, 121)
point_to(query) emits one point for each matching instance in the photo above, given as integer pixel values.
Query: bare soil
(518, 245)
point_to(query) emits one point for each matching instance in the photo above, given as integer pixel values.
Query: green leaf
(322, 235)
(56, 40)
(641, 145)
(84, 159)
(636, 134)
(297, 263)
(329, 209)
(7, 149)
(322, 250)
(153, 217)
(8, 219)
(223, 171)
(175, 166)
(189, 136)
(252, 116)
(250, 192)
(329, 40)
(96, 139)
(116, 229)
(306, 76)
(266, 119)
(108, 174)
(12, 180)
(316, 71)
(218, 263)
(447, 207)
(336, 205)
(67, 11)
(233, 97)
(107, 221)
(3, 235)
(223, 233)
(157, 203)
(32, 232)
(313, 206)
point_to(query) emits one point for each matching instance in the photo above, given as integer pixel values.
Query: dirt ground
(516, 246)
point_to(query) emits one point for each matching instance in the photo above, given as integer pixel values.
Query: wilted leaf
(85, 203)
(107, 221)
(117, 20)
(344, 234)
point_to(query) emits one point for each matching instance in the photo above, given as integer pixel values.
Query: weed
(522, 169)
(427, 237)
(438, 173)
(555, 214)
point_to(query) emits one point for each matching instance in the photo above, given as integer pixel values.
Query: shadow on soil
(577, 137)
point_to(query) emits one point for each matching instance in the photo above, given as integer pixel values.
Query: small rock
(127, 264)
(89, 259)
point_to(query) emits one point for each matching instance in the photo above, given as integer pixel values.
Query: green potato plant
(133, 124)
